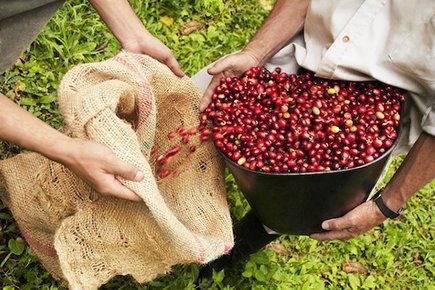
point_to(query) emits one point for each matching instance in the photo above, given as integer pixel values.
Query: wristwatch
(386, 211)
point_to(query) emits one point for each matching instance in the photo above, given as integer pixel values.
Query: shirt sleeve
(20, 23)
(428, 121)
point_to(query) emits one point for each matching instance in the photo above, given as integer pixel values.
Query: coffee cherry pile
(276, 122)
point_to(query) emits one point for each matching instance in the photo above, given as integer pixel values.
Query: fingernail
(139, 176)
(325, 226)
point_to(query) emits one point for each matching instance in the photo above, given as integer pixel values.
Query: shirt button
(345, 39)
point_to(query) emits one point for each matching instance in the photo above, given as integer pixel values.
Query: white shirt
(388, 40)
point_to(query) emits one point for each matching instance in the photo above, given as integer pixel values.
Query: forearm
(121, 19)
(20, 127)
(284, 22)
(93, 162)
(417, 170)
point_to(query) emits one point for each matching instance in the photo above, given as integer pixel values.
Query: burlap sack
(86, 238)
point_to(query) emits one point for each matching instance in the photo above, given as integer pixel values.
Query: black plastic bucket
(297, 203)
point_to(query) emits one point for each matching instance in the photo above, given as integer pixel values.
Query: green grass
(397, 255)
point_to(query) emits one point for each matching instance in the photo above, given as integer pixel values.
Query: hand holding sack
(128, 103)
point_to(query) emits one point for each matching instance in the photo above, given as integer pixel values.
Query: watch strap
(386, 211)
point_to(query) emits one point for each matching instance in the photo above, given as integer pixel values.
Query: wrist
(384, 208)
(63, 150)
(377, 213)
(258, 56)
(391, 200)
(135, 41)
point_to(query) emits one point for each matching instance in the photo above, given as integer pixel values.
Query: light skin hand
(408, 179)
(95, 163)
(132, 34)
(276, 31)
(153, 47)
(229, 66)
(98, 166)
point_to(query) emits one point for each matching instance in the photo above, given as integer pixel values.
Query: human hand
(98, 166)
(93, 162)
(354, 223)
(150, 45)
(228, 66)
(132, 34)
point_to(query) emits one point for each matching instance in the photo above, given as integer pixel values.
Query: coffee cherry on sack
(277, 122)
(164, 173)
(184, 135)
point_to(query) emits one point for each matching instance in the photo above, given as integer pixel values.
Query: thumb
(220, 66)
(127, 171)
(336, 224)
(206, 98)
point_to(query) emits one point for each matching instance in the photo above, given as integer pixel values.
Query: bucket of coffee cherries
(303, 149)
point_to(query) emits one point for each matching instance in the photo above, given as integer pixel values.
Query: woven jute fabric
(128, 103)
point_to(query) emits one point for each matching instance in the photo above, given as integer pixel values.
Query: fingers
(174, 66)
(230, 65)
(338, 229)
(112, 186)
(127, 171)
(337, 224)
(206, 98)
(220, 66)
(157, 50)
(342, 235)
(217, 70)
(354, 223)
(97, 165)
(117, 189)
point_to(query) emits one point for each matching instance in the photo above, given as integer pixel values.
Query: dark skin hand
(417, 170)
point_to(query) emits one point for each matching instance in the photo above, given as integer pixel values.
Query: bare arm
(417, 170)
(17, 125)
(92, 161)
(284, 22)
(132, 34)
